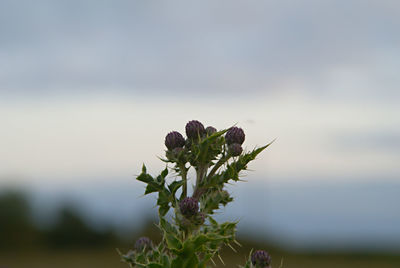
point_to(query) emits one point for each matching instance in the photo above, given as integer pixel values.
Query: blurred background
(89, 89)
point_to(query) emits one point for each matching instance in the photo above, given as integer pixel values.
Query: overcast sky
(92, 87)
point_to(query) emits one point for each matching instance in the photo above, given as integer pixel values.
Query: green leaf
(163, 210)
(155, 265)
(191, 262)
(173, 242)
(163, 197)
(199, 241)
(144, 170)
(232, 170)
(206, 151)
(212, 200)
(248, 262)
(167, 227)
(185, 262)
(177, 262)
(217, 134)
(144, 177)
(174, 186)
(163, 201)
(164, 173)
(247, 265)
(165, 261)
(140, 258)
(246, 158)
(212, 221)
(205, 260)
(151, 188)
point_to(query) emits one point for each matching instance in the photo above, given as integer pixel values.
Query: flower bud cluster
(261, 259)
(212, 154)
(234, 138)
(178, 146)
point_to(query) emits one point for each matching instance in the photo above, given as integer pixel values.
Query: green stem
(184, 178)
(198, 190)
(201, 172)
(220, 162)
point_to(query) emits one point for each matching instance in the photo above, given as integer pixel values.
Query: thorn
(221, 259)
(213, 262)
(237, 243)
(281, 265)
(234, 250)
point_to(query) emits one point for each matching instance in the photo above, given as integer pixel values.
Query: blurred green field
(71, 243)
(107, 258)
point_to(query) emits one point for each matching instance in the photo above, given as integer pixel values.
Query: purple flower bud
(189, 206)
(235, 149)
(234, 135)
(143, 243)
(211, 130)
(261, 258)
(194, 129)
(173, 140)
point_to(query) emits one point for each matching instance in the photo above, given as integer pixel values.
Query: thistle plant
(191, 237)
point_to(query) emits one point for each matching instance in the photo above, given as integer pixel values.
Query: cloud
(182, 49)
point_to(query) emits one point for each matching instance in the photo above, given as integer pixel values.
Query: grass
(107, 258)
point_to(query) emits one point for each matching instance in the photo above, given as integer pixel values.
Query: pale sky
(90, 88)
(50, 139)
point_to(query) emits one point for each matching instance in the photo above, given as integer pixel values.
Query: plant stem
(198, 190)
(184, 178)
(220, 162)
(201, 172)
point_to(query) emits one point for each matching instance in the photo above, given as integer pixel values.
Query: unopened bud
(235, 149)
(234, 135)
(194, 129)
(189, 206)
(261, 258)
(174, 140)
(210, 130)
